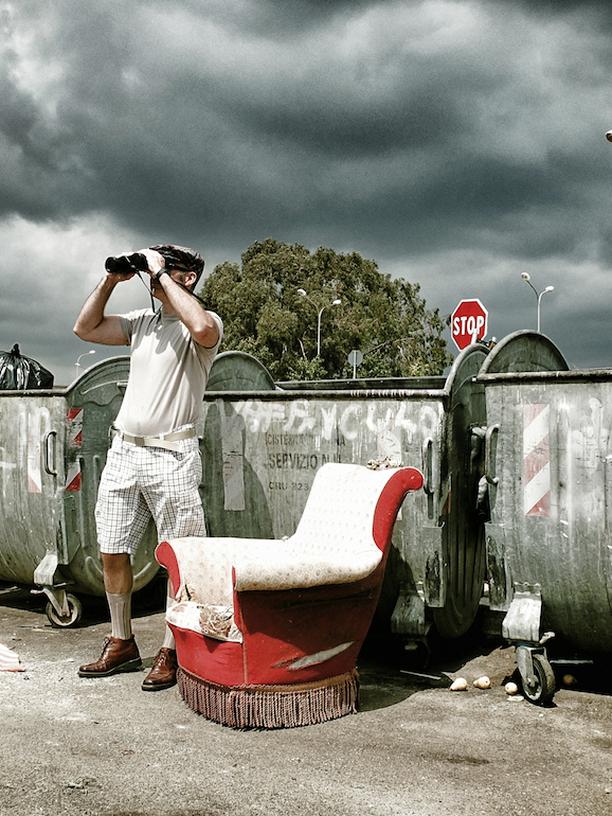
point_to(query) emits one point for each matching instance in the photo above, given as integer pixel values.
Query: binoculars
(126, 264)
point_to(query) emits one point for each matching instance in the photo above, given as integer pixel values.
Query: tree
(264, 314)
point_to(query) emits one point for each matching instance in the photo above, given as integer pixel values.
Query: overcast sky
(458, 144)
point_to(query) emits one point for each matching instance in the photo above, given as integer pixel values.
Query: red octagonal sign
(468, 322)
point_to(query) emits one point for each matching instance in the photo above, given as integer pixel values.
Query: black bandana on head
(182, 258)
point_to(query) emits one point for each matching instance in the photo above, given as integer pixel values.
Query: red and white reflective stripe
(536, 460)
(73, 477)
(34, 483)
(74, 418)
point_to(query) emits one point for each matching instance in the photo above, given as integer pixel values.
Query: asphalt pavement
(76, 746)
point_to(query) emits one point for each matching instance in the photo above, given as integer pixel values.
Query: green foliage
(264, 315)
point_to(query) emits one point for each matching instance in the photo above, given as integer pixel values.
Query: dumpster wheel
(543, 689)
(75, 610)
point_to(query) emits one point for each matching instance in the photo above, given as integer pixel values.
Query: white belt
(168, 441)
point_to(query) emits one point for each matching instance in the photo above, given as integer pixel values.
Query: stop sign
(468, 322)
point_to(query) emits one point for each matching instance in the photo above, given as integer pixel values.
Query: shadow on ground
(147, 601)
(389, 673)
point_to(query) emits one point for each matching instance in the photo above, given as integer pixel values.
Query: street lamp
(77, 365)
(527, 278)
(335, 302)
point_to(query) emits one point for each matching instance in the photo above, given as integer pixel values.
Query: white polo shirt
(168, 373)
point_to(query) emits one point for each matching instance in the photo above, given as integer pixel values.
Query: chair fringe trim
(280, 706)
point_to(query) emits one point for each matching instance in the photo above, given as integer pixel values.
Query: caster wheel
(543, 689)
(75, 610)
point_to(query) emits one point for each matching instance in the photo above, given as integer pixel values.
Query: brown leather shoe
(118, 655)
(163, 671)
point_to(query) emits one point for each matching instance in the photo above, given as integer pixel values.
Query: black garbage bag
(18, 373)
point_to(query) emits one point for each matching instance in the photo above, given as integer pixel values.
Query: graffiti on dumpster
(286, 441)
(328, 419)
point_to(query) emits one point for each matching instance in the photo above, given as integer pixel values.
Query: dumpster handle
(428, 464)
(50, 463)
(489, 468)
(111, 433)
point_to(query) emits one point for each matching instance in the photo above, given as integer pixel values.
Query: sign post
(468, 322)
(355, 359)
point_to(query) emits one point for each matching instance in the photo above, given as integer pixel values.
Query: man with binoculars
(153, 467)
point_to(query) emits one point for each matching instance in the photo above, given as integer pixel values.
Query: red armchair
(268, 632)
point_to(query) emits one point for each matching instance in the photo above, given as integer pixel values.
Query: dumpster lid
(524, 351)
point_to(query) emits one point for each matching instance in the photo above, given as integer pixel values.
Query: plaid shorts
(142, 482)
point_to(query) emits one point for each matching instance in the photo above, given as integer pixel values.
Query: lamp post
(539, 295)
(335, 302)
(77, 365)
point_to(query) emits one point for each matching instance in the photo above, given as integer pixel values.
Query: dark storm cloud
(271, 18)
(599, 7)
(161, 126)
(402, 129)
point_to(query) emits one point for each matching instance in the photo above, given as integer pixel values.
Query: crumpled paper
(9, 660)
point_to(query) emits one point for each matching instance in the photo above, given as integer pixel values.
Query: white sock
(120, 605)
(169, 642)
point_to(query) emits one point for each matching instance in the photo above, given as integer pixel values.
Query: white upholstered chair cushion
(333, 544)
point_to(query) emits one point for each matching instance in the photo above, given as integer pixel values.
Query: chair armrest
(200, 568)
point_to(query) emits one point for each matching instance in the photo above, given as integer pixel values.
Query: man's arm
(92, 324)
(200, 323)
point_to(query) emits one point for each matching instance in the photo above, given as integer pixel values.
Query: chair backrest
(343, 501)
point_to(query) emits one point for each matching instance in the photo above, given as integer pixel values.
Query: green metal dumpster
(549, 469)
(261, 450)
(53, 448)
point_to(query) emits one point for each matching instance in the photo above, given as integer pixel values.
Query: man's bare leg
(118, 576)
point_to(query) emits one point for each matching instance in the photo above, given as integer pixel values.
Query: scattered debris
(382, 464)
(460, 684)
(427, 678)
(511, 688)
(9, 660)
(482, 682)
(84, 784)
(569, 680)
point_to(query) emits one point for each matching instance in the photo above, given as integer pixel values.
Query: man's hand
(155, 260)
(154, 263)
